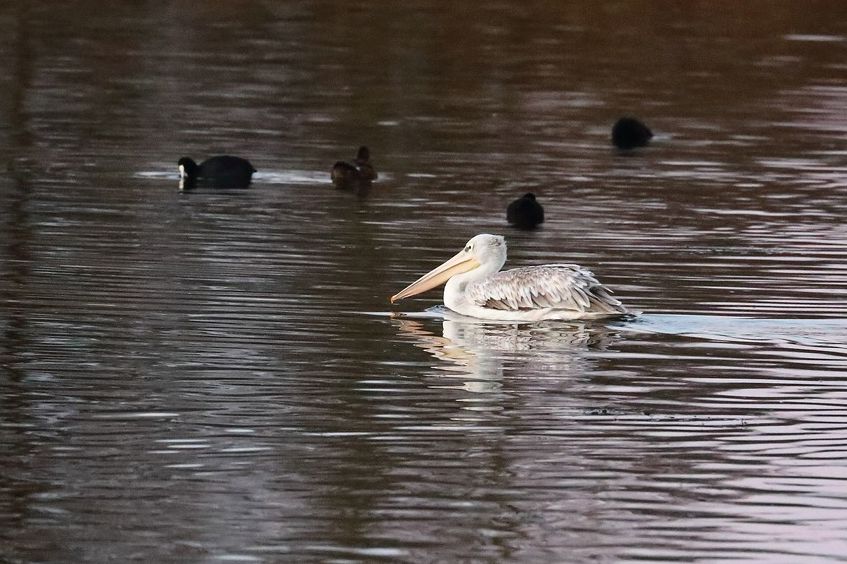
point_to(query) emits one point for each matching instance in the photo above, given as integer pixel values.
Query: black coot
(525, 212)
(217, 172)
(629, 133)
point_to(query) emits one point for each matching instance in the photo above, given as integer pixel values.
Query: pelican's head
(487, 251)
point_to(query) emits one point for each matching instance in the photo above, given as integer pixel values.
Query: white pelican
(476, 288)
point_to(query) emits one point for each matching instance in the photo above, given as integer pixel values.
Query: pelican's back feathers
(556, 286)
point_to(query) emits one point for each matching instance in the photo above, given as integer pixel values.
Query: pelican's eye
(468, 249)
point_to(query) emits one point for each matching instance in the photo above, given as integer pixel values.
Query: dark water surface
(213, 376)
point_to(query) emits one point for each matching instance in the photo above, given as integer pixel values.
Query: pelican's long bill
(462, 262)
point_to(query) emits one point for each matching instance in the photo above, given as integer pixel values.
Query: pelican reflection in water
(475, 287)
(477, 352)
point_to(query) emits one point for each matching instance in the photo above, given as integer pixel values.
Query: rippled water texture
(214, 375)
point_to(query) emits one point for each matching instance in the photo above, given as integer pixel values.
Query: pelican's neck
(454, 290)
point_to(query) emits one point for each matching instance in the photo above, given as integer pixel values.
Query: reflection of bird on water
(525, 212)
(358, 174)
(553, 291)
(485, 372)
(216, 172)
(629, 133)
(481, 349)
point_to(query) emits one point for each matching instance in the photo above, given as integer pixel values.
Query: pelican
(476, 287)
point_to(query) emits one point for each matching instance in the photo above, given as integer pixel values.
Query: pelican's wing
(557, 286)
